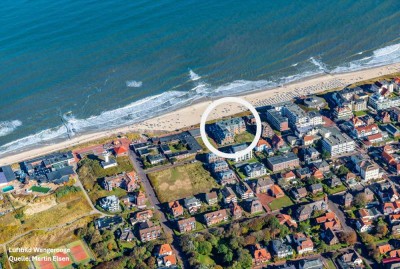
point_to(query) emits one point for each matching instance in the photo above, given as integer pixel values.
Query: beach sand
(191, 115)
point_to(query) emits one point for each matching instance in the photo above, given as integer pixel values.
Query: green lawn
(203, 146)
(205, 260)
(360, 113)
(337, 189)
(181, 181)
(280, 203)
(40, 189)
(244, 137)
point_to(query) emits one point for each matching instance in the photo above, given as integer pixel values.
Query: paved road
(137, 164)
(335, 208)
(339, 213)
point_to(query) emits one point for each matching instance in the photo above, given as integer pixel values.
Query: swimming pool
(8, 188)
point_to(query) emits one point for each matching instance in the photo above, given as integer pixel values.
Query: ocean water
(70, 67)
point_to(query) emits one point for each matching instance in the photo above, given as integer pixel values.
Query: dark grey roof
(60, 176)
(8, 173)
(3, 179)
(108, 222)
(237, 148)
(53, 158)
(311, 264)
(286, 266)
(282, 158)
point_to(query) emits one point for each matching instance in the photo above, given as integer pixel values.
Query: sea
(70, 67)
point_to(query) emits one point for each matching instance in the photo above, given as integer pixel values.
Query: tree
(267, 236)
(325, 155)
(151, 262)
(284, 231)
(256, 224)
(228, 257)
(204, 248)
(343, 170)
(222, 249)
(304, 226)
(244, 258)
(349, 238)
(382, 229)
(360, 200)
(249, 240)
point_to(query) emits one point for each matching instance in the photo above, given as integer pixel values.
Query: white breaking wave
(387, 55)
(321, 66)
(193, 76)
(135, 112)
(7, 127)
(169, 101)
(134, 84)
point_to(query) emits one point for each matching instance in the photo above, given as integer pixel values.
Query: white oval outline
(203, 127)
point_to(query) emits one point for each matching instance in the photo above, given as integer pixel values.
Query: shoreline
(190, 115)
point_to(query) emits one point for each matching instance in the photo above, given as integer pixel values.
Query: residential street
(152, 198)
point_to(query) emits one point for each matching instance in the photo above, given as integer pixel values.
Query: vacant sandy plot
(182, 181)
(31, 209)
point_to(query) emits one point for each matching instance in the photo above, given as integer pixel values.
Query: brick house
(186, 225)
(176, 208)
(215, 217)
(261, 255)
(148, 232)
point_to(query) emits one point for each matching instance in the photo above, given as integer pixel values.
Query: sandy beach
(191, 115)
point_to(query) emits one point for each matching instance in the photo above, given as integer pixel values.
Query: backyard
(182, 181)
(244, 137)
(91, 173)
(280, 203)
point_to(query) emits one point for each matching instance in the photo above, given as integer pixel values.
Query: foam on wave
(134, 84)
(172, 100)
(193, 76)
(7, 127)
(386, 55)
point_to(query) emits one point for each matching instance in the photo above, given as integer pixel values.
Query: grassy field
(69, 208)
(181, 181)
(280, 203)
(40, 189)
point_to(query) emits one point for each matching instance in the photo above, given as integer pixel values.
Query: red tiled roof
(262, 142)
(374, 137)
(120, 150)
(367, 128)
(165, 248)
(170, 258)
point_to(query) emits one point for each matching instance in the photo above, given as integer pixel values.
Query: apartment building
(186, 225)
(335, 142)
(215, 217)
(287, 161)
